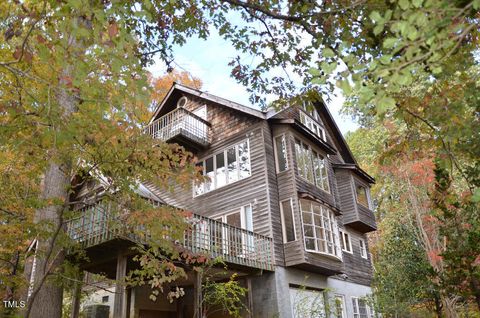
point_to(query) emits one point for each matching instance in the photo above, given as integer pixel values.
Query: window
(345, 242)
(310, 118)
(339, 307)
(311, 165)
(360, 308)
(288, 224)
(307, 303)
(281, 153)
(363, 248)
(226, 167)
(319, 228)
(232, 241)
(104, 299)
(362, 196)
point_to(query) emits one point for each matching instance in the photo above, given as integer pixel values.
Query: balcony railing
(180, 123)
(203, 235)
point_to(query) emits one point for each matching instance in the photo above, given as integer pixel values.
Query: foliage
(227, 297)
(161, 85)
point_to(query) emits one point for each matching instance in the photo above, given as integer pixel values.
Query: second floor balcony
(96, 226)
(183, 127)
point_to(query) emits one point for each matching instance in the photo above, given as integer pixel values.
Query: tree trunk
(47, 295)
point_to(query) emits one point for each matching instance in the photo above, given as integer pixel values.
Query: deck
(96, 226)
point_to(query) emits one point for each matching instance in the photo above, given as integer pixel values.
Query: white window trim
(344, 305)
(367, 306)
(287, 166)
(363, 251)
(282, 215)
(342, 237)
(334, 233)
(214, 155)
(325, 162)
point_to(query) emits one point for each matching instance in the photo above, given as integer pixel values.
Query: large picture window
(311, 165)
(226, 167)
(320, 229)
(307, 303)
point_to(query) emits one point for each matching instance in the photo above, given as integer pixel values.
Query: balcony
(203, 235)
(182, 127)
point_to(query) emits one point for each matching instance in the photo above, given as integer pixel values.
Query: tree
(162, 84)
(75, 93)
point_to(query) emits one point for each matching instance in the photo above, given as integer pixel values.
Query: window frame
(355, 303)
(306, 119)
(225, 160)
(342, 238)
(367, 195)
(282, 216)
(343, 314)
(334, 232)
(275, 149)
(311, 155)
(363, 250)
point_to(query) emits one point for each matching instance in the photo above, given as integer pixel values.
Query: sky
(208, 60)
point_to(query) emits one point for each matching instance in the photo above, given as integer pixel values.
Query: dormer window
(362, 195)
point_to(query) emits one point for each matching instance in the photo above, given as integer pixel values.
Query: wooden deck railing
(180, 122)
(203, 235)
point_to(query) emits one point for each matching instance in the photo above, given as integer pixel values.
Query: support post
(197, 294)
(250, 297)
(76, 295)
(120, 301)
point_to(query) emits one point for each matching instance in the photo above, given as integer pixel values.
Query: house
(285, 205)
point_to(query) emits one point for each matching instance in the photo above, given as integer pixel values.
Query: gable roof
(179, 88)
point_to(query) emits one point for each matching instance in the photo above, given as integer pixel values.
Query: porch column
(197, 294)
(120, 301)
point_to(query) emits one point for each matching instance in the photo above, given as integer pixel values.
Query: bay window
(320, 229)
(311, 165)
(223, 168)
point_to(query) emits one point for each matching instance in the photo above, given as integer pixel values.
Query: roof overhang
(356, 169)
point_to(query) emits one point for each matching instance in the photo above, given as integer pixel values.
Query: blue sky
(208, 60)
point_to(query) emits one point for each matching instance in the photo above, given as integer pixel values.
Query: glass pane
(244, 160)
(281, 147)
(308, 231)
(362, 196)
(232, 165)
(308, 163)
(199, 187)
(221, 173)
(234, 219)
(317, 219)
(288, 221)
(307, 218)
(305, 205)
(248, 217)
(300, 158)
(209, 184)
(310, 244)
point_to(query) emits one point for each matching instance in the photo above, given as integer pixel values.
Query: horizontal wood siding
(272, 194)
(347, 199)
(357, 268)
